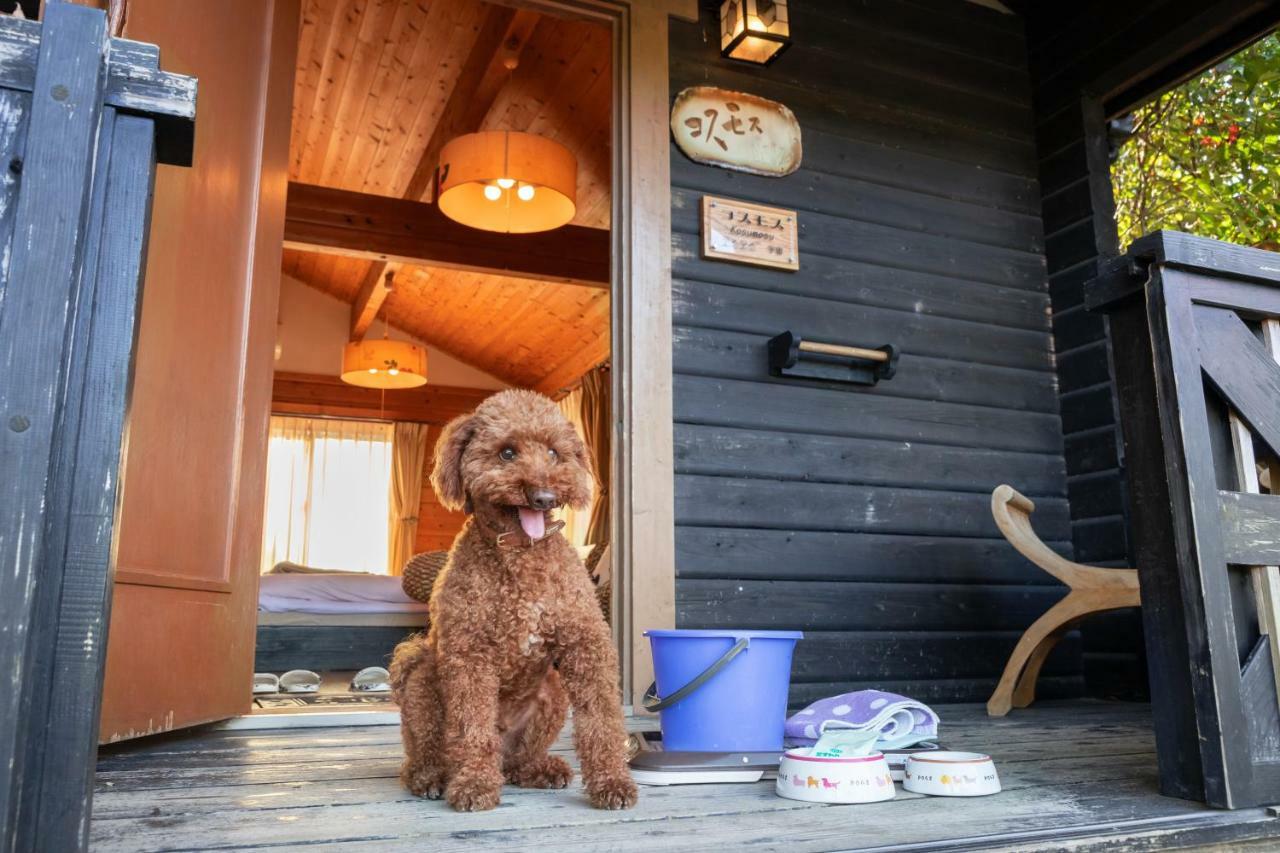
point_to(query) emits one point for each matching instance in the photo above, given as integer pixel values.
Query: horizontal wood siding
(1090, 61)
(862, 515)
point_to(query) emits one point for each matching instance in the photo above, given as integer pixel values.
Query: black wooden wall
(862, 515)
(1091, 61)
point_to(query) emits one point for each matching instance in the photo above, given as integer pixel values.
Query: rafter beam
(373, 292)
(488, 68)
(376, 228)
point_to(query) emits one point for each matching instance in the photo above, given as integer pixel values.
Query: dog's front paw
(616, 793)
(549, 771)
(473, 794)
(426, 781)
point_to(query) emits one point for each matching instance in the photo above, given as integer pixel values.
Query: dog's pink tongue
(534, 522)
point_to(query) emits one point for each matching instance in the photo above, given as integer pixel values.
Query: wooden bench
(1093, 590)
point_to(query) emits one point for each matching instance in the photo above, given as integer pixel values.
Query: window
(328, 487)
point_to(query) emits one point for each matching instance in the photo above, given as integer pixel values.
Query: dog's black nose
(541, 498)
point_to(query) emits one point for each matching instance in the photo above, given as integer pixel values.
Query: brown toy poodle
(516, 634)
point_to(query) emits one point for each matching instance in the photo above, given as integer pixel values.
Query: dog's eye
(552, 455)
(507, 454)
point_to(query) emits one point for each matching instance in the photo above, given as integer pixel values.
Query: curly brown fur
(516, 635)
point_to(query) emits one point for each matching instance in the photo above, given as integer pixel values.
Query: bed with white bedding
(334, 594)
(326, 621)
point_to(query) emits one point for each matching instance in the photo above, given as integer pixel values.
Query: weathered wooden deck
(1077, 776)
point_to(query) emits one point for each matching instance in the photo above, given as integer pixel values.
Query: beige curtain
(575, 521)
(597, 430)
(408, 456)
(326, 500)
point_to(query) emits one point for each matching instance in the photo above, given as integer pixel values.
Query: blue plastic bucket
(733, 685)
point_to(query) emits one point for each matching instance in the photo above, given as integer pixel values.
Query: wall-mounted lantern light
(755, 31)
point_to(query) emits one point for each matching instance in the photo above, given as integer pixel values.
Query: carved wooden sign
(737, 131)
(749, 233)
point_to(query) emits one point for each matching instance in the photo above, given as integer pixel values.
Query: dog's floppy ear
(446, 474)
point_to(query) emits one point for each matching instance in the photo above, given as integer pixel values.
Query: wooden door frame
(643, 479)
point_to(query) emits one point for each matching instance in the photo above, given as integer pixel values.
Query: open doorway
(379, 92)
(1202, 157)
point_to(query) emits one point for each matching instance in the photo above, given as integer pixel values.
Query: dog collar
(510, 540)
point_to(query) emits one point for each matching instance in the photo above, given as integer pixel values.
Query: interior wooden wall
(311, 395)
(862, 515)
(437, 526)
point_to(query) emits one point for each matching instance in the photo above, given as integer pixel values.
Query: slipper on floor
(299, 681)
(265, 682)
(371, 679)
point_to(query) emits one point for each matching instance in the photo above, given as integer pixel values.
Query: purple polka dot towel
(900, 721)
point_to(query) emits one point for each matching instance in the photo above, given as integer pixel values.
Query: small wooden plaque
(749, 233)
(736, 130)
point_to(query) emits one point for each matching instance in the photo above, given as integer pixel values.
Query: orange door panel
(180, 647)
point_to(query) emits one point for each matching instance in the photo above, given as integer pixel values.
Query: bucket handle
(653, 704)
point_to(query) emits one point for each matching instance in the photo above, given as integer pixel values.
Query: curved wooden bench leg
(1040, 632)
(1093, 589)
(1025, 692)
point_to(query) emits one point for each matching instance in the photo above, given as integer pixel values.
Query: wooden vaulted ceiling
(380, 86)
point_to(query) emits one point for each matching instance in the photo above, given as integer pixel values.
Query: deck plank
(1083, 771)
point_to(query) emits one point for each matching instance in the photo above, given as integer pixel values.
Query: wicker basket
(599, 554)
(420, 574)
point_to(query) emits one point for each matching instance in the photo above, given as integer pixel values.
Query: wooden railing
(1195, 338)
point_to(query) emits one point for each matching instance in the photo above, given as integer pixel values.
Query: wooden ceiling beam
(377, 228)
(316, 395)
(373, 292)
(488, 67)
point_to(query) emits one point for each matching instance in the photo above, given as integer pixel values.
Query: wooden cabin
(266, 195)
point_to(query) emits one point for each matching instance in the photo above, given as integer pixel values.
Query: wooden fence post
(79, 115)
(1193, 323)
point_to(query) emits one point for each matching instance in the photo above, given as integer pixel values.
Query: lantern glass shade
(384, 364)
(755, 31)
(507, 181)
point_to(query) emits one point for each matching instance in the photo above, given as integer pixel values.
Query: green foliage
(1205, 157)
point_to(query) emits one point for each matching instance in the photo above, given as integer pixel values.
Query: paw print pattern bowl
(951, 774)
(862, 779)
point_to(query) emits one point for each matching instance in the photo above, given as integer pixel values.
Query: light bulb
(525, 193)
(492, 193)
(506, 183)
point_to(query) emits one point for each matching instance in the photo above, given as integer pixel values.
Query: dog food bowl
(897, 758)
(951, 774)
(862, 779)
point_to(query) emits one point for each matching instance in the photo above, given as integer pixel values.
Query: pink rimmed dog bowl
(860, 779)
